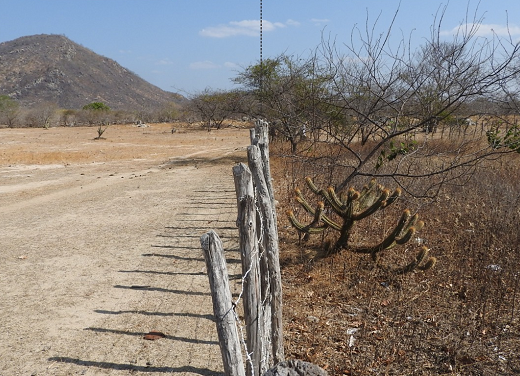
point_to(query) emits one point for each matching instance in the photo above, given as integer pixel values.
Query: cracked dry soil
(99, 245)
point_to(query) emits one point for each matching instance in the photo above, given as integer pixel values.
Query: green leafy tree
(288, 91)
(96, 113)
(9, 110)
(96, 106)
(215, 106)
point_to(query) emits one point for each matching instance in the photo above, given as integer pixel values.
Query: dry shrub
(462, 317)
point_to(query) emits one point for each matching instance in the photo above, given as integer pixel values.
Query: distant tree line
(48, 114)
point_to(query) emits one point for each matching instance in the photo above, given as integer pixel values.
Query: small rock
(313, 319)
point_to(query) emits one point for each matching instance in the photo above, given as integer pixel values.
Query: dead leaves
(154, 335)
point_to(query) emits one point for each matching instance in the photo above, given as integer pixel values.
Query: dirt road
(99, 245)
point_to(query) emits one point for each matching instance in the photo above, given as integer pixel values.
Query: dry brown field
(100, 245)
(353, 317)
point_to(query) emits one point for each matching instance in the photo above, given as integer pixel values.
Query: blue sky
(188, 45)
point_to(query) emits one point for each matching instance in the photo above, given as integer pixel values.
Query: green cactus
(352, 206)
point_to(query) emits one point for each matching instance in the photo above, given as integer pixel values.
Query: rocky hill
(52, 68)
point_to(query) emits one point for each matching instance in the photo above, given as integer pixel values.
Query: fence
(261, 280)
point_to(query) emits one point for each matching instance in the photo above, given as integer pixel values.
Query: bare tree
(374, 99)
(43, 115)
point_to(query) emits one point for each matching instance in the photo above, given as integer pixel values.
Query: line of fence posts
(261, 278)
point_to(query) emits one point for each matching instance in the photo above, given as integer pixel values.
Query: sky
(186, 46)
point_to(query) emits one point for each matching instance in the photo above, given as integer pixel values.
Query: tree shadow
(171, 256)
(233, 228)
(161, 273)
(160, 289)
(230, 276)
(165, 314)
(229, 261)
(170, 291)
(204, 162)
(135, 368)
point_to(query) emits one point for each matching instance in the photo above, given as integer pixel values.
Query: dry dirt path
(100, 245)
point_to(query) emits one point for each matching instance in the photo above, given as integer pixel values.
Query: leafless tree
(380, 102)
(42, 115)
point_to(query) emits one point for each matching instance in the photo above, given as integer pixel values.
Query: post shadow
(133, 367)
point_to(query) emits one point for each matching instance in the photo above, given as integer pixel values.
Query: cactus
(353, 206)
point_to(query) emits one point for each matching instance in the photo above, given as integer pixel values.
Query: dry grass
(460, 318)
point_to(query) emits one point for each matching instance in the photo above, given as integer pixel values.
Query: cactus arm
(393, 197)
(406, 237)
(328, 195)
(374, 207)
(303, 202)
(390, 239)
(308, 229)
(428, 264)
(320, 192)
(368, 193)
(309, 209)
(334, 201)
(416, 264)
(312, 186)
(368, 189)
(410, 230)
(330, 222)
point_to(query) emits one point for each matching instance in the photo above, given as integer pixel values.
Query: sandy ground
(99, 245)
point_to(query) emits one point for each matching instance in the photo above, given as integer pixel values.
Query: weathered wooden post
(248, 245)
(222, 304)
(270, 246)
(261, 139)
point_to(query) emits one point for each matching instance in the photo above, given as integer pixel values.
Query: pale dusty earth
(100, 244)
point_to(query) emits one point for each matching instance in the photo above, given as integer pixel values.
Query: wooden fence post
(262, 141)
(262, 285)
(270, 245)
(222, 304)
(248, 245)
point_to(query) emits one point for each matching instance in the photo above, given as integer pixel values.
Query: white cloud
(165, 61)
(203, 65)
(320, 21)
(290, 22)
(231, 65)
(249, 28)
(485, 30)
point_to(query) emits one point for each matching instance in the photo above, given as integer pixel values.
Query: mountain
(52, 68)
